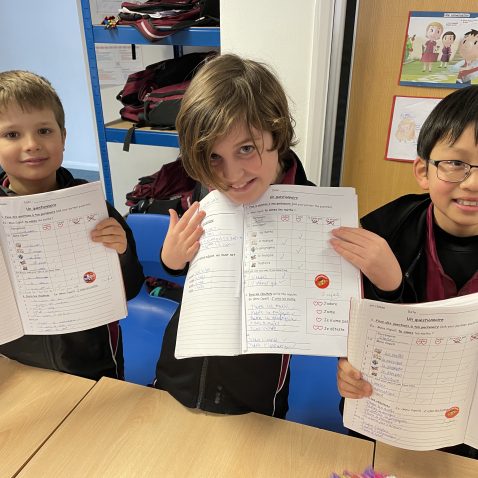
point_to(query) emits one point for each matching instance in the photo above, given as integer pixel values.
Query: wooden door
(380, 33)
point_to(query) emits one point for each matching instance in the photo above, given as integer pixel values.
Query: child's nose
(31, 143)
(231, 170)
(471, 182)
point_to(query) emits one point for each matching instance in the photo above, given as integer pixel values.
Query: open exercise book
(54, 278)
(266, 280)
(422, 362)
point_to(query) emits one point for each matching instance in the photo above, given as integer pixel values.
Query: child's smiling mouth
(241, 187)
(467, 202)
(34, 160)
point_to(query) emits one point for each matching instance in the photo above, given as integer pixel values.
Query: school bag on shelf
(152, 97)
(168, 188)
(158, 19)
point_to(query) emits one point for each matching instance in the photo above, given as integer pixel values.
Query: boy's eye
(248, 148)
(454, 164)
(44, 130)
(11, 135)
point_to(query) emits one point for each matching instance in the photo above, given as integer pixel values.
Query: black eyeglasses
(452, 171)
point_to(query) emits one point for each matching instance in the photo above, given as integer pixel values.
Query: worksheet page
(422, 362)
(210, 317)
(63, 281)
(265, 279)
(297, 289)
(11, 325)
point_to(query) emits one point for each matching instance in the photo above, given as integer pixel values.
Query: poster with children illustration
(408, 115)
(440, 50)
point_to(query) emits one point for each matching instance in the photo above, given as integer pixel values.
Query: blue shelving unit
(143, 136)
(115, 133)
(196, 36)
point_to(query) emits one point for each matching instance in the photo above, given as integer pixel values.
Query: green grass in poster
(413, 71)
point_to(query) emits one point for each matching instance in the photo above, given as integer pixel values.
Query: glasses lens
(454, 171)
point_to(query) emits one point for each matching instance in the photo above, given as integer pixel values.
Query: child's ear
(420, 169)
(64, 138)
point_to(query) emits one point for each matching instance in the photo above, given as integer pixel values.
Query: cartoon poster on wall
(440, 50)
(408, 115)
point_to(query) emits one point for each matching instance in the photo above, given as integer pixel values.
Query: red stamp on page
(89, 277)
(452, 412)
(322, 281)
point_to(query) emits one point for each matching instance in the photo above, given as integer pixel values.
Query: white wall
(46, 37)
(294, 38)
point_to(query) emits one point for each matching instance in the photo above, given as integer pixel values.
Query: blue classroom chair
(148, 316)
(313, 394)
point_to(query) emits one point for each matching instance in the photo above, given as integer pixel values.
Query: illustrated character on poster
(447, 40)
(467, 68)
(429, 54)
(408, 48)
(406, 130)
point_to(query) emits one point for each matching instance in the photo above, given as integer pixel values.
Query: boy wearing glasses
(423, 247)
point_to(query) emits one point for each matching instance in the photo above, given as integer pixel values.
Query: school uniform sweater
(90, 353)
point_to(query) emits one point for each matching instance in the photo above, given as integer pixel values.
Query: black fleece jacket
(90, 353)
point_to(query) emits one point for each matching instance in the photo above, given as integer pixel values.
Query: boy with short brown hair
(32, 140)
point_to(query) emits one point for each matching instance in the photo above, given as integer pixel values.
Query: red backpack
(152, 97)
(168, 188)
(158, 19)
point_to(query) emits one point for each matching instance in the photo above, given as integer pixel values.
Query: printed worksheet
(55, 279)
(422, 362)
(266, 280)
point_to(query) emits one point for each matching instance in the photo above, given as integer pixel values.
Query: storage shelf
(126, 34)
(116, 131)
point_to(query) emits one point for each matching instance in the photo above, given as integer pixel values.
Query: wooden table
(33, 402)
(423, 464)
(126, 430)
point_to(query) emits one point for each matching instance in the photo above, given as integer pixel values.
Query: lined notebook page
(10, 325)
(210, 317)
(422, 362)
(63, 281)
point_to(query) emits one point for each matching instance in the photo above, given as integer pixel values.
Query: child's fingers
(189, 216)
(173, 219)
(349, 392)
(350, 379)
(108, 222)
(346, 369)
(194, 222)
(116, 240)
(109, 230)
(348, 251)
(185, 226)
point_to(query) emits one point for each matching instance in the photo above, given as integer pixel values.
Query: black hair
(449, 33)
(472, 32)
(450, 117)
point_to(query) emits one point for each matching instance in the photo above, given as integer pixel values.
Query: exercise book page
(11, 324)
(297, 289)
(422, 362)
(210, 316)
(63, 281)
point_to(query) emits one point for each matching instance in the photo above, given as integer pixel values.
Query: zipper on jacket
(202, 382)
(410, 270)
